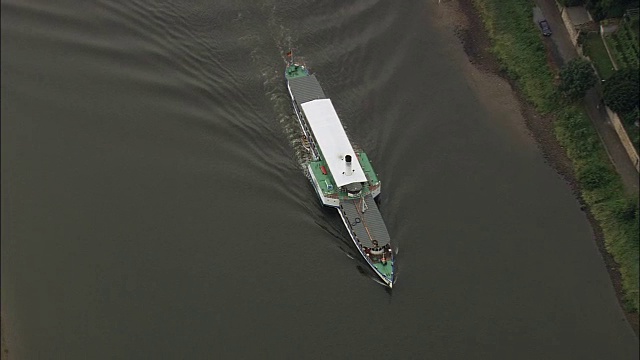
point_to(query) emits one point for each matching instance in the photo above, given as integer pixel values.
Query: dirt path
(470, 31)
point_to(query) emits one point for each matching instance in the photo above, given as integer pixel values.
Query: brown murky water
(154, 206)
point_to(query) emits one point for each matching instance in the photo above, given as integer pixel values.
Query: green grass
(595, 50)
(519, 48)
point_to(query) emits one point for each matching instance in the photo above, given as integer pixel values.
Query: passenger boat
(340, 172)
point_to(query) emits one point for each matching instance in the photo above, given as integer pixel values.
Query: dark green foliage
(630, 74)
(601, 9)
(635, 227)
(595, 177)
(576, 77)
(624, 45)
(621, 97)
(626, 209)
(631, 120)
(624, 48)
(598, 8)
(621, 90)
(632, 117)
(572, 2)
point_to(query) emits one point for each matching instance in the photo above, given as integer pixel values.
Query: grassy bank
(594, 48)
(518, 46)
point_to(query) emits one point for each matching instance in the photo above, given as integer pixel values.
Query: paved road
(563, 51)
(559, 42)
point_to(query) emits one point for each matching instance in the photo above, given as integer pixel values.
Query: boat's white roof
(333, 141)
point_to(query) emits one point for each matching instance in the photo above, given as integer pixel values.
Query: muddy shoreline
(470, 31)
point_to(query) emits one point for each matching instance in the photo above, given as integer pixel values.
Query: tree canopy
(601, 9)
(576, 77)
(621, 90)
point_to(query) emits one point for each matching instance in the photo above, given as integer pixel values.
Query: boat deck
(385, 269)
(327, 185)
(326, 182)
(367, 167)
(305, 88)
(367, 225)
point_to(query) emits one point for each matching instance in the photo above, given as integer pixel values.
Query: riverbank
(495, 39)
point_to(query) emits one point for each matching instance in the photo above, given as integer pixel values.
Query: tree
(572, 2)
(601, 9)
(632, 118)
(621, 90)
(576, 77)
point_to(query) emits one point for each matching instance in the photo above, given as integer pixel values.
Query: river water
(154, 203)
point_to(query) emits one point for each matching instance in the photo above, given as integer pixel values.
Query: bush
(595, 176)
(626, 209)
(572, 2)
(576, 77)
(621, 90)
(621, 97)
(601, 9)
(632, 117)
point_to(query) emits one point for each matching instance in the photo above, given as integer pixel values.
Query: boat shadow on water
(366, 272)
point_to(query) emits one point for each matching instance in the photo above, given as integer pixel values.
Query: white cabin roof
(333, 141)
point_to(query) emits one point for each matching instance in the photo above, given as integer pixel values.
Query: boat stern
(295, 70)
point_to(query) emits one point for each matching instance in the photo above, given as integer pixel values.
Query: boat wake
(366, 272)
(278, 40)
